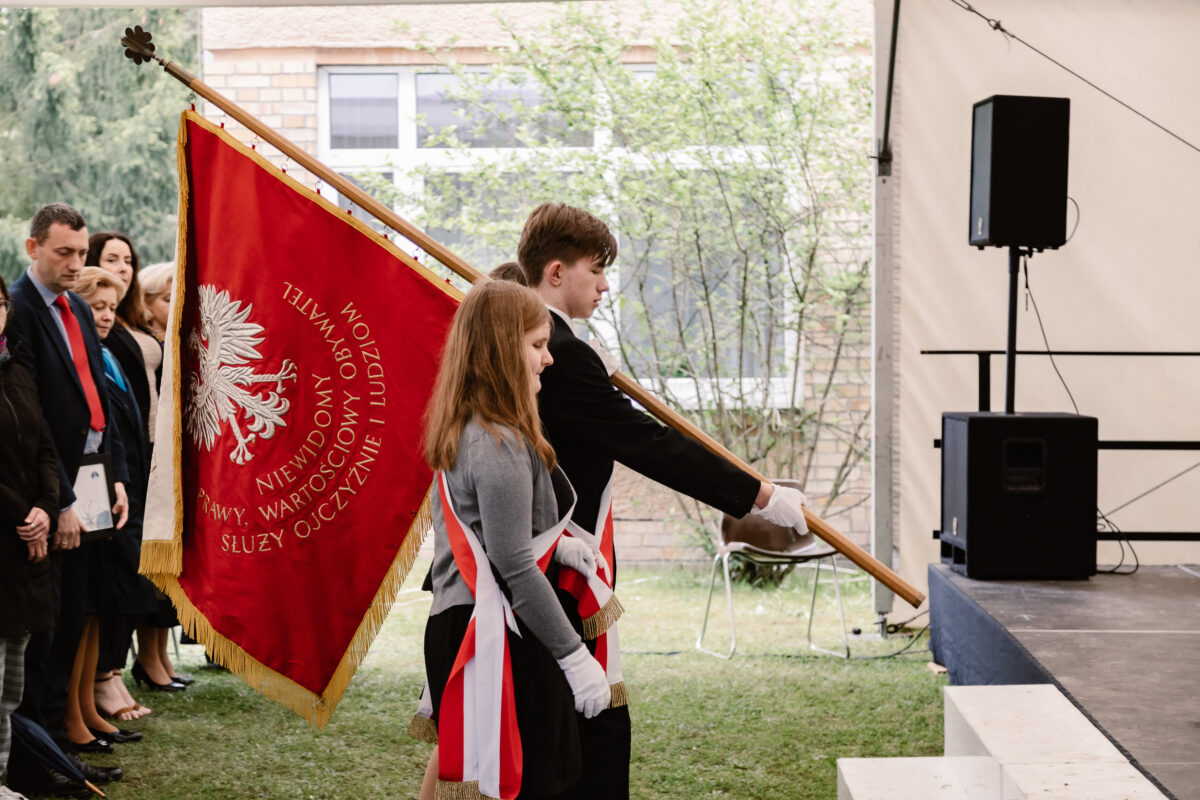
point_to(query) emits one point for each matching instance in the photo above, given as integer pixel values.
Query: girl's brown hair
(484, 374)
(132, 311)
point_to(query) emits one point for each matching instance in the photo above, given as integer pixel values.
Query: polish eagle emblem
(225, 389)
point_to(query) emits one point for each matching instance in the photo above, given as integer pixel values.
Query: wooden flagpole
(139, 49)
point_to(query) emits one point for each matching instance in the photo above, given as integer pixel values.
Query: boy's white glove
(574, 553)
(588, 682)
(611, 364)
(786, 508)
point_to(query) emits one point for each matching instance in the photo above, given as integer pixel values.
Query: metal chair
(757, 541)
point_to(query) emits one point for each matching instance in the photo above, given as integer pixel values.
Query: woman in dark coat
(28, 510)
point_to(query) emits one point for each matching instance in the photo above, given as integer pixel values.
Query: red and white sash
(598, 606)
(479, 745)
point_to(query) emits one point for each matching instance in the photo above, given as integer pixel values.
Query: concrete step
(899, 779)
(1044, 746)
(1004, 743)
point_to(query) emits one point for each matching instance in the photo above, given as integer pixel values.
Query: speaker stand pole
(1010, 355)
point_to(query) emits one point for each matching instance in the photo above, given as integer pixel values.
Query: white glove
(588, 682)
(611, 364)
(786, 508)
(575, 553)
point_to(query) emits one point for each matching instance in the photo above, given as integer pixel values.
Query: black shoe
(139, 675)
(119, 736)
(96, 745)
(49, 783)
(94, 773)
(184, 679)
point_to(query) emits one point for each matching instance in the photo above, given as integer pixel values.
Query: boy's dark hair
(49, 214)
(509, 271)
(555, 231)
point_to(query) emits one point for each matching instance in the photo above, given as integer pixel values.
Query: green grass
(768, 724)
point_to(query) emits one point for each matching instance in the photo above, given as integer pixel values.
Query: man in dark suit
(52, 334)
(563, 253)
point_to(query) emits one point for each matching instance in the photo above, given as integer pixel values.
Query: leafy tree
(734, 168)
(80, 123)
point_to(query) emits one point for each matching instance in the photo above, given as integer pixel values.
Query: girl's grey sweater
(502, 491)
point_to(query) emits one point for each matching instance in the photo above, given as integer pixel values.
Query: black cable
(996, 26)
(895, 627)
(1122, 542)
(915, 639)
(1078, 216)
(1046, 341)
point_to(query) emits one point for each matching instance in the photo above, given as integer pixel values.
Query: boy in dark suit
(563, 253)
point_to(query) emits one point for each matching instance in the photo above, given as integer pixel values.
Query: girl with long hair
(506, 669)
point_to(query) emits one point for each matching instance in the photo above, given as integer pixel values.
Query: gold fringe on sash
(603, 619)
(458, 790)
(162, 560)
(619, 696)
(423, 729)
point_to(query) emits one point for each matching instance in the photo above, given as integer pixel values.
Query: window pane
(699, 291)
(479, 216)
(493, 120)
(363, 110)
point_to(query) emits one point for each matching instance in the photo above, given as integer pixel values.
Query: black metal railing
(985, 404)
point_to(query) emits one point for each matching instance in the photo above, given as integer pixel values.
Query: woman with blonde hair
(156, 282)
(506, 670)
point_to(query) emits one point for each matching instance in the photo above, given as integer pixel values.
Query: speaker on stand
(1019, 490)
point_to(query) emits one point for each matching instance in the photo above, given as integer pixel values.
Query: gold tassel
(603, 619)
(422, 728)
(619, 695)
(458, 790)
(160, 557)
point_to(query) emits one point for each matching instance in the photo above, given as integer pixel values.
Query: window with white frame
(388, 120)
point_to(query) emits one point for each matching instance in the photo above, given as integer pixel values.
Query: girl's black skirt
(545, 705)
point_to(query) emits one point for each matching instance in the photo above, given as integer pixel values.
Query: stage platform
(1125, 649)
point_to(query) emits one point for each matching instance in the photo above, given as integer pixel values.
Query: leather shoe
(49, 782)
(96, 774)
(183, 680)
(119, 736)
(96, 745)
(139, 675)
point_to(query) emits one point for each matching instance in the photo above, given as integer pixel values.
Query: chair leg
(837, 587)
(723, 558)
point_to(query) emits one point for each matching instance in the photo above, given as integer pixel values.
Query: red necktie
(79, 356)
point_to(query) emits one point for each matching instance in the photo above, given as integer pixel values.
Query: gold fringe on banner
(162, 560)
(316, 708)
(619, 696)
(459, 790)
(603, 619)
(422, 728)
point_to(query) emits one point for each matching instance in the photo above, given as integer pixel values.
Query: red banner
(302, 349)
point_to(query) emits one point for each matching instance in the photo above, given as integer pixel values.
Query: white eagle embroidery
(219, 391)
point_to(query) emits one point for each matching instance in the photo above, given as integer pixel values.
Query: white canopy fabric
(1126, 281)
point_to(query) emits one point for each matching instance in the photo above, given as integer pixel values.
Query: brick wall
(279, 87)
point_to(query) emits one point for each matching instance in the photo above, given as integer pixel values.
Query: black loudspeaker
(1019, 172)
(1019, 495)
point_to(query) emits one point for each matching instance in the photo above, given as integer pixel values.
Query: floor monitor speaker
(1019, 495)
